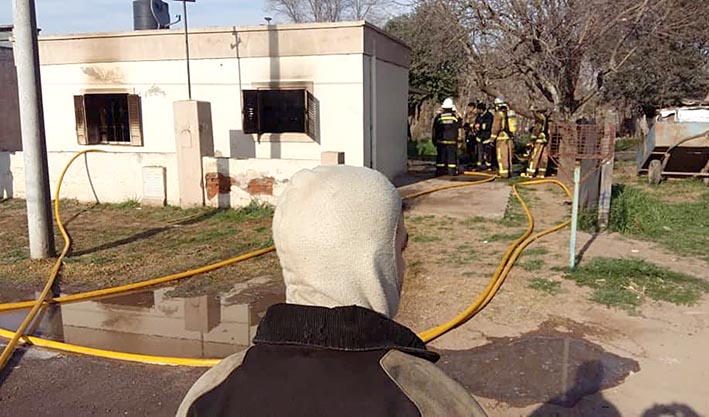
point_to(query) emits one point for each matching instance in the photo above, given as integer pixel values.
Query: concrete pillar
(194, 139)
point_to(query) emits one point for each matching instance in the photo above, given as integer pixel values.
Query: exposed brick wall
(217, 183)
(261, 186)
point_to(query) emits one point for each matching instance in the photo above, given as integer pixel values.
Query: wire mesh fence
(589, 144)
(571, 141)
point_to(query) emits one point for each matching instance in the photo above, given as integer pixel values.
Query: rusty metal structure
(582, 153)
(571, 142)
(677, 145)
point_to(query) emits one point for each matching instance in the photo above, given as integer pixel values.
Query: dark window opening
(279, 111)
(108, 119)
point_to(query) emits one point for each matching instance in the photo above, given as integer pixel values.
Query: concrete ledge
(332, 158)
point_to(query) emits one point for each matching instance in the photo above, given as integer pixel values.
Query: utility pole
(34, 146)
(187, 48)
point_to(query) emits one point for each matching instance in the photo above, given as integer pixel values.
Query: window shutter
(312, 111)
(134, 120)
(82, 136)
(250, 117)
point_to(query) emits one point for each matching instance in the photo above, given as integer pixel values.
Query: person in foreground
(333, 349)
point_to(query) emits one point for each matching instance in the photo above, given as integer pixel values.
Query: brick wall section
(10, 137)
(261, 186)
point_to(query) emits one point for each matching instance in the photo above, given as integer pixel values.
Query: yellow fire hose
(36, 305)
(483, 299)
(508, 260)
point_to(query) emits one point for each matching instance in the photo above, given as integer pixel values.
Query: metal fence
(570, 141)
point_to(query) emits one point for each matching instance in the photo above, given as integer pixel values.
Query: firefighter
(469, 129)
(540, 137)
(501, 135)
(483, 128)
(446, 126)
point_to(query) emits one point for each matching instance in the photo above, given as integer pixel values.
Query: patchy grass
(539, 251)
(682, 227)
(627, 283)
(474, 221)
(15, 255)
(419, 219)
(131, 203)
(588, 220)
(116, 244)
(671, 190)
(548, 286)
(424, 238)
(415, 264)
(532, 265)
(497, 237)
(626, 144)
(254, 211)
(463, 255)
(514, 215)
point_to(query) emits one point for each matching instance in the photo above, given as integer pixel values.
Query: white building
(280, 97)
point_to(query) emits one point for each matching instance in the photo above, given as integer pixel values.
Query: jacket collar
(352, 329)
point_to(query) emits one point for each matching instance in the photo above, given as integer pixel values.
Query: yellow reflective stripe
(448, 118)
(446, 142)
(440, 165)
(452, 166)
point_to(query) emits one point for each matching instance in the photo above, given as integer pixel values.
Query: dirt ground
(450, 259)
(456, 258)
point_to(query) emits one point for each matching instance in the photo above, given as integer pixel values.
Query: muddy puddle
(154, 323)
(555, 368)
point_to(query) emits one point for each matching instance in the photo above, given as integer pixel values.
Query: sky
(76, 16)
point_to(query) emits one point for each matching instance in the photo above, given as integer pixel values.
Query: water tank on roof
(145, 18)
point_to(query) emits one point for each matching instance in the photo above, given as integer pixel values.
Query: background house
(10, 137)
(280, 97)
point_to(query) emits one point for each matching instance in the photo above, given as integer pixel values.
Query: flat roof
(303, 39)
(222, 29)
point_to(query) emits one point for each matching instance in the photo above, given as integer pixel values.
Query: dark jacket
(445, 128)
(316, 361)
(484, 121)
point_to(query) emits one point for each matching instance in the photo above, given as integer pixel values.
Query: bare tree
(560, 51)
(376, 11)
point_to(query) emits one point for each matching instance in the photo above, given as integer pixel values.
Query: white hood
(334, 229)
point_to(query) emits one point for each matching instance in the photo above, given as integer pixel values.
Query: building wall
(326, 59)
(335, 81)
(99, 177)
(236, 182)
(385, 69)
(392, 111)
(10, 136)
